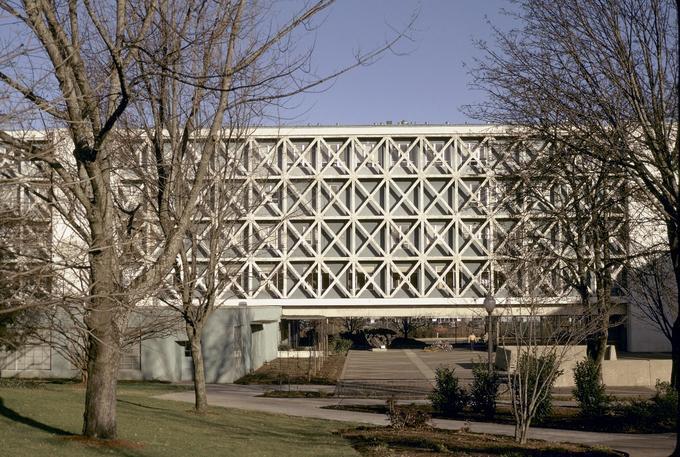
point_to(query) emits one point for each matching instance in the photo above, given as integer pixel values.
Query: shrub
(448, 398)
(340, 345)
(538, 372)
(484, 389)
(657, 414)
(406, 416)
(590, 393)
(666, 401)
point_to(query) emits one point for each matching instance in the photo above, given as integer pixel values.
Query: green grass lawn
(42, 421)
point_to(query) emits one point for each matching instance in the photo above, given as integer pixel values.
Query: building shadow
(14, 416)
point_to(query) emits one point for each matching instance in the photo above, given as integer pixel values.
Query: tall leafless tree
(602, 78)
(576, 209)
(97, 72)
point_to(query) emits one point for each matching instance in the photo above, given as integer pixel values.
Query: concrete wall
(161, 358)
(506, 359)
(236, 341)
(651, 283)
(635, 373)
(615, 373)
(48, 364)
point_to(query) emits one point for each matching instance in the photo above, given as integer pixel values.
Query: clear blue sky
(428, 83)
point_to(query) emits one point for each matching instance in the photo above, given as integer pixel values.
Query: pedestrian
(472, 339)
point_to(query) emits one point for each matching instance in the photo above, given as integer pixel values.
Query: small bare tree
(354, 324)
(406, 326)
(209, 268)
(216, 80)
(541, 343)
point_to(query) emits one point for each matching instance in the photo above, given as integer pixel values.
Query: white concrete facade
(375, 221)
(366, 221)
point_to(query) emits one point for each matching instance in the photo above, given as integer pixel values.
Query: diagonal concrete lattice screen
(378, 213)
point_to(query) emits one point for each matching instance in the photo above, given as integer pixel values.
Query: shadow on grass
(119, 447)
(140, 405)
(12, 415)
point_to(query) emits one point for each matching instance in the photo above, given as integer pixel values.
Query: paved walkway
(246, 397)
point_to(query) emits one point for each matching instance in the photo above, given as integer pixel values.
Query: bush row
(449, 398)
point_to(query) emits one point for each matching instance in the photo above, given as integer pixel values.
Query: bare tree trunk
(524, 433)
(201, 396)
(597, 344)
(675, 348)
(522, 428)
(99, 419)
(674, 243)
(104, 339)
(673, 231)
(600, 339)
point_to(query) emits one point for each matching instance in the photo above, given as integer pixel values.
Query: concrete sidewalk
(246, 397)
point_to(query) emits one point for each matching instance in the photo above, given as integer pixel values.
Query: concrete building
(368, 221)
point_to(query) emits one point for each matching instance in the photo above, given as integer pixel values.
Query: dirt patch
(432, 442)
(108, 444)
(296, 394)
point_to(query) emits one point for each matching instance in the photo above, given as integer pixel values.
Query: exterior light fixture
(489, 305)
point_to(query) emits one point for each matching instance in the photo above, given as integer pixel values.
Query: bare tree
(408, 325)
(93, 61)
(354, 324)
(541, 343)
(651, 289)
(576, 209)
(601, 78)
(179, 117)
(209, 268)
